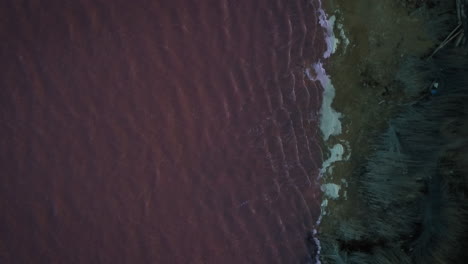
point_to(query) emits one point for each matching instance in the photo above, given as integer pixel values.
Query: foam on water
(336, 154)
(330, 39)
(330, 124)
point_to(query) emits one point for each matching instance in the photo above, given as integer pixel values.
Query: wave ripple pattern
(159, 131)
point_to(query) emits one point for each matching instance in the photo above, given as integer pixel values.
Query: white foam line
(343, 36)
(330, 124)
(336, 154)
(327, 24)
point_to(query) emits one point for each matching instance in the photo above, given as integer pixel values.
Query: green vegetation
(413, 204)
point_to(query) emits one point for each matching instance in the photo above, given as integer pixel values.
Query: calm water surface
(162, 131)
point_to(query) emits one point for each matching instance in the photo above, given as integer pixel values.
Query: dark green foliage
(417, 75)
(441, 18)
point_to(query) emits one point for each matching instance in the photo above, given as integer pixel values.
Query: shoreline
(365, 103)
(329, 121)
(364, 76)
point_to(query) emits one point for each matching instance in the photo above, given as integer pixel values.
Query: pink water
(163, 131)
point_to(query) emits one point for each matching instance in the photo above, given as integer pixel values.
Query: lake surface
(159, 131)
